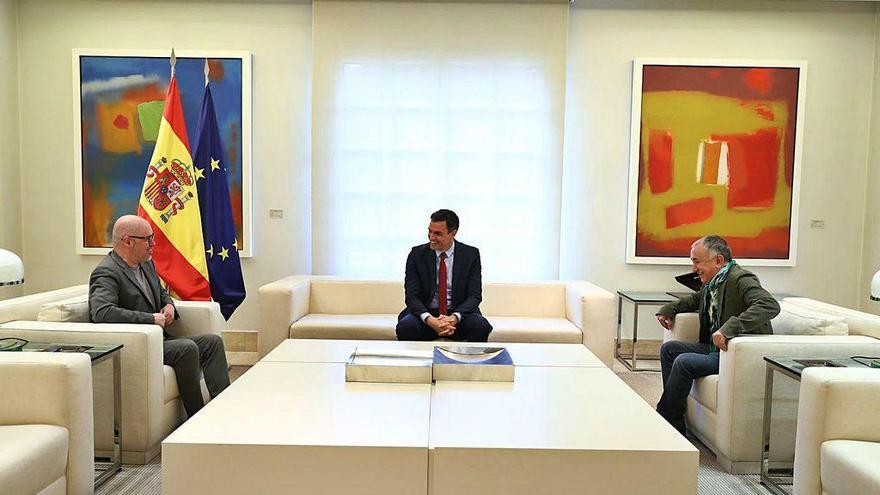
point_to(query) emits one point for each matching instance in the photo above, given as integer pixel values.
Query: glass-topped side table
(105, 467)
(775, 478)
(637, 299)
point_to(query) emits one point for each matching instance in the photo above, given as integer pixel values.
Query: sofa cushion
(859, 323)
(797, 320)
(546, 300)
(27, 307)
(850, 467)
(75, 309)
(345, 326)
(171, 391)
(32, 457)
(355, 297)
(526, 329)
(705, 391)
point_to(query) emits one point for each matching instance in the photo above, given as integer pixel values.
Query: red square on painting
(753, 162)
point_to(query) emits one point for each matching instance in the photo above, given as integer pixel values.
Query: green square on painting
(150, 115)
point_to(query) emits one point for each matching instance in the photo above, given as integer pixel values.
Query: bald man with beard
(124, 288)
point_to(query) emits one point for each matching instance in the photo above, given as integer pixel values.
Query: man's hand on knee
(441, 326)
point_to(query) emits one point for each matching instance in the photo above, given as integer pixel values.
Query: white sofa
(46, 430)
(838, 434)
(725, 411)
(151, 406)
(322, 307)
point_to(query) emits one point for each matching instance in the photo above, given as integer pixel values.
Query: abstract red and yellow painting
(715, 150)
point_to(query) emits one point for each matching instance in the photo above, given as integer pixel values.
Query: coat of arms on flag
(168, 187)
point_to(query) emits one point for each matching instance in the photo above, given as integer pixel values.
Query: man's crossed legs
(681, 363)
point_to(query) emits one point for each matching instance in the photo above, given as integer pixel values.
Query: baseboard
(242, 358)
(241, 340)
(134, 457)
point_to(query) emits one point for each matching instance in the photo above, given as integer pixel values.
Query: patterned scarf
(713, 298)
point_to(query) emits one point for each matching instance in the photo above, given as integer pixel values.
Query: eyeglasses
(148, 238)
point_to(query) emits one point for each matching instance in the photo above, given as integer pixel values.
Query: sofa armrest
(281, 303)
(141, 360)
(197, 318)
(592, 309)
(835, 404)
(685, 329)
(741, 384)
(54, 389)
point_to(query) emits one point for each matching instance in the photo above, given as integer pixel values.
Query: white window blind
(399, 133)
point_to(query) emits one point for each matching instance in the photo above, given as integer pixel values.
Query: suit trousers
(681, 363)
(473, 327)
(190, 355)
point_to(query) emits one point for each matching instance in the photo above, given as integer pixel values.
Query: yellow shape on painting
(692, 117)
(118, 127)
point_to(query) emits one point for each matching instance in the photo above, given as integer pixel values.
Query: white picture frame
(633, 254)
(85, 244)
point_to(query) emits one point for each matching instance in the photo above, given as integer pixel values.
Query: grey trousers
(188, 356)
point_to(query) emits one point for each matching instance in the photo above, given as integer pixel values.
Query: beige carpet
(713, 480)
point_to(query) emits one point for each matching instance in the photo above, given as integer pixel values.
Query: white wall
(10, 169)
(279, 37)
(871, 241)
(837, 41)
(836, 38)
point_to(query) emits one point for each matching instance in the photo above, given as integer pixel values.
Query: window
(411, 136)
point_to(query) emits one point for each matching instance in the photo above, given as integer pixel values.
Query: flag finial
(173, 61)
(207, 72)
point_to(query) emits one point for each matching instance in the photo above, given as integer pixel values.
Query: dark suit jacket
(116, 297)
(420, 283)
(745, 306)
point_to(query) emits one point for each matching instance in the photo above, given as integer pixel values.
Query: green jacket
(745, 306)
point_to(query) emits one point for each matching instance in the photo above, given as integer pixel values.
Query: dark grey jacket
(115, 296)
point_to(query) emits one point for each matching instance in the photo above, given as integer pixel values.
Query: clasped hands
(443, 325)
(718, 338)
(164, 317)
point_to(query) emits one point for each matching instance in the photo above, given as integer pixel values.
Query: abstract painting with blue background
(122, 99)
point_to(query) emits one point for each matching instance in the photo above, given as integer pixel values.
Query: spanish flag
(170, 203)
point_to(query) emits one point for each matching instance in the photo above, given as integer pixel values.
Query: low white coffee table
(338, 351)
(300, 428)
(291, 424)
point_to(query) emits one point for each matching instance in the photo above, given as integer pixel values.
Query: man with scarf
(730, 303)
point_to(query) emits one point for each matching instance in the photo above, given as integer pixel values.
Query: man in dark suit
(730, 303)
(124, 288)
(443, 287)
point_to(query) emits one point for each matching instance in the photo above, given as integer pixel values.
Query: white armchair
(46, 437)
(725, 411)
(838, 433)
(151, 406)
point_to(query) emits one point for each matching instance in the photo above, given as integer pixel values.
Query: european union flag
(221, 247)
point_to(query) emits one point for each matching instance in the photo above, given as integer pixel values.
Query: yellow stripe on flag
(170, 197)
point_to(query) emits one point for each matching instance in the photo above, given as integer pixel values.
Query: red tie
(441, 292)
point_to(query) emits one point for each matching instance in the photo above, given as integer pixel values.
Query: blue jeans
(681, 363)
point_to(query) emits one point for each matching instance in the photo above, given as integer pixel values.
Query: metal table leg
(635, 339)
(116, 460)
(772, 479)
(619, 322)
